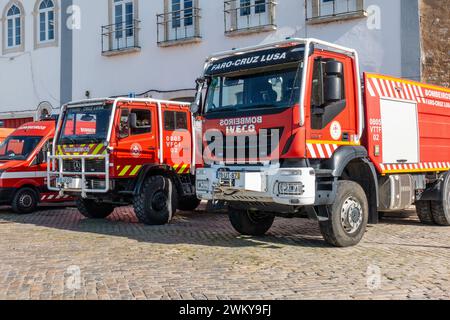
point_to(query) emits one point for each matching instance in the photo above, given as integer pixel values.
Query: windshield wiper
(223, 109)
(70, 140)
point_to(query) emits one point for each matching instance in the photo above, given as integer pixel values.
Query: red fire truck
(288, 131)
(23, 167)
(116, 152)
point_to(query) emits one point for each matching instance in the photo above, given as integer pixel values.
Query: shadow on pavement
(198, 228)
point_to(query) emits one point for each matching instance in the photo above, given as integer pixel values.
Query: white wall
(30, 77)
(177, 67)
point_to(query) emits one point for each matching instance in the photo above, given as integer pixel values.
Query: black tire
(348, 216)
(250, 223)
(94, 210)
(441, 209)
(423, 209)
(157, 203)
(25, 201)
(188, 203)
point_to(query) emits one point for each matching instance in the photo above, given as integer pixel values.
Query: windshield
(85, 125)
(18, 148)
(269, 89)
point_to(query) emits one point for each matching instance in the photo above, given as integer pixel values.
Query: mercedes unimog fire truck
(288, 131)
(116, 152)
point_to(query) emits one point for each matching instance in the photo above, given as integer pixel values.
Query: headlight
(291, 188)
(202, 185)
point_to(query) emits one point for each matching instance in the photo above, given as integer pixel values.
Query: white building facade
(54, 51)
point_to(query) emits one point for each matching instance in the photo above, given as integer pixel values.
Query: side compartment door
(136, 140)
(177, 140)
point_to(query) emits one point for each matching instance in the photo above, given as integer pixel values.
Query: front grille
(250, 148)
(92, 165)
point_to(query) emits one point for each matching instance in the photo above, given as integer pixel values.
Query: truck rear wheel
(94, 210)
(157, 203)
(251, 223)
(423, 209)
(188, 203)
(441, 209)
(25, 201)
(348, 216)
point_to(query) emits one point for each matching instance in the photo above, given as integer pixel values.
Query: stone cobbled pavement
(57, 254)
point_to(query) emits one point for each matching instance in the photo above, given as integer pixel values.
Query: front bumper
(286, 186)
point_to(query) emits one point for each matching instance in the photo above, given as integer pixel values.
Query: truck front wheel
(94, 210)
(348, 216)
(441, 209)
(251, 223)
(25, 201)
(157, 202)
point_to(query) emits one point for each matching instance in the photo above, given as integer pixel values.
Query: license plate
(64, 180)
(228, 176)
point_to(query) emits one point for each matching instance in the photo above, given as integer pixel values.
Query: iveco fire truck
(116, 152)
(288, 131)
(23, 167)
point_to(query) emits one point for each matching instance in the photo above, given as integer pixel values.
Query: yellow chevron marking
(118, 168)
(124, 171)
(182, 168)
(97, 150)
(135, 170)
(175, 166)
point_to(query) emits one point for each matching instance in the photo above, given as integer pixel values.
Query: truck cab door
(177, 139)
(136, 140)
(332, 105)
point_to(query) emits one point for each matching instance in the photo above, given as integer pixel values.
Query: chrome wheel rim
(351, 215)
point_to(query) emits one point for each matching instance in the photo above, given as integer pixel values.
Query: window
(179, 23)
(174, 121)
(14, 27)
(260, 6)
(140, 122)
(321, 11)
(249, 16)
(46, 21)
(121, 35)
(182, 16)
(124, 126)
(245, 7)
(323, 111)
(123, 18)
(18, 148)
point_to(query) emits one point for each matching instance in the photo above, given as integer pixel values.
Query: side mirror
(196, 106)
(333, 84)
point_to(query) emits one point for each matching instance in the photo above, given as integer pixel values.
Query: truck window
(174, 121)
(18, 148)
(320, 112)
(124, 126)
(140, 121)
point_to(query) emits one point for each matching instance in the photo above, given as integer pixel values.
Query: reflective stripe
(182, 168)
(31, 174)
(135, 170)
(124, 171)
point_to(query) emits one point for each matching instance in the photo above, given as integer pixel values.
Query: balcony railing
(321, 11)
(120, 37)
(249, 16)
(180, 26)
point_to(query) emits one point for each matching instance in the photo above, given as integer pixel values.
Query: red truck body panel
(407, 125)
